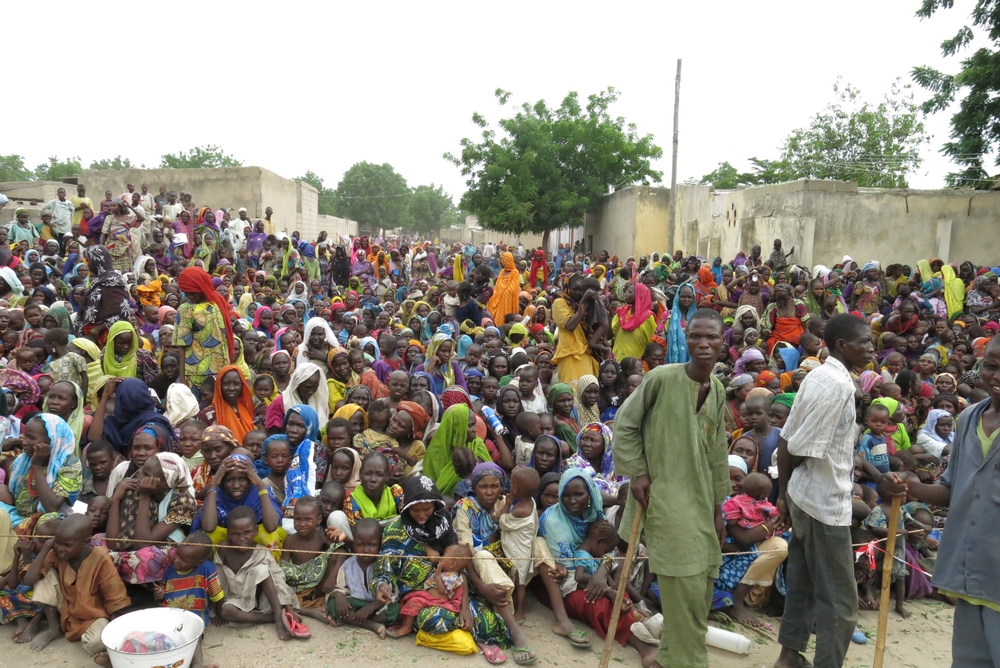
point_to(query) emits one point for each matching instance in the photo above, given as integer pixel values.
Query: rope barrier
(147, 543)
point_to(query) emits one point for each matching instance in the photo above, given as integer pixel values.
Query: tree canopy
(12, 168)
(199, 157)
(850, 139)
(431, 208)
(974, 127)
(374, 195)
(56, 169)
(119, 163)
(550, 166)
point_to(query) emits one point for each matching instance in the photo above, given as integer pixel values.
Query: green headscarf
(129, 363)
(785, 399)
(451, 434)
(61, 314)
(556, 391)
(900, 438)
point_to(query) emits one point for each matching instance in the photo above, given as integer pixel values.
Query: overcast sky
(295, 86)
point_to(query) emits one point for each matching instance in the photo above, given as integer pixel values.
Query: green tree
(850, 139)
(118, 163)
(56, 170)
(200, 156)
(12, 168)
(374, 195)
(550, 166)
(431, 208)
(974, 127)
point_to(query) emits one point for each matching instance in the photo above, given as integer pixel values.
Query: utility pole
(673, 165)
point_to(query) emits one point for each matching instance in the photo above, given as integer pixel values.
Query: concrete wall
(31, 195)
(336, 228)
(282, 196)
(307, 211)
(823, 220)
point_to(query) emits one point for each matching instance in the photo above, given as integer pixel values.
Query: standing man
(80, 201)
(62, 211)
(268, 225)
(147, 200)
(967, 567)
(160, 200)
(670, 438)
(172, 208)
(815, 467)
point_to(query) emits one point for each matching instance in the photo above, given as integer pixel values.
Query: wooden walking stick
(633, 540)
(887, 563)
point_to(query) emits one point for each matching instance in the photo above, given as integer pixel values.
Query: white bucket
(181, 626)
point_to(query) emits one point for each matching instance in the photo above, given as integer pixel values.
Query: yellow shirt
(78, 214)
(632, 344)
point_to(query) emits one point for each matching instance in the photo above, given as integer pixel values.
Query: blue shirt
(875, 450)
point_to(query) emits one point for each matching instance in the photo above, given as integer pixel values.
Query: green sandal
(579, 639)
(530, 661)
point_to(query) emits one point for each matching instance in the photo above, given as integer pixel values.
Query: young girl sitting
(235, 485)
(374, 498)
(446, 588)
(309, 575)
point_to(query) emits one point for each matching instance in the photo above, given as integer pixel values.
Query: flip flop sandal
(296, 628)
(530, 661)
(494, 655)
(579, 639)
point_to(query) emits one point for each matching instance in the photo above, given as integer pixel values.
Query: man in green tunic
(670, 438)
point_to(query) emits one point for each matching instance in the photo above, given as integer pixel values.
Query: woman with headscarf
(25, 390)
(184, 225)
(207, 227)
(181, 405)
(65, 400)
(706, 284)
(233, 402)
(49, 447)
(457, 430)
(785, 318)
(115, 234)
(930, 438)
(306, 386)
(538, 274)
(573, 356)
(263, 321)
(422, 528)
(586, 408)
(564, 527)
(684, 307)
(309, 465)
(635, 323)
(107, 299)
(317, 342)
(506, 291)
(980, 298)
(155, 505)
(441, 365)
(362, 269)
(203, 328)
(134, 407)
(593, 455)
(123, 358)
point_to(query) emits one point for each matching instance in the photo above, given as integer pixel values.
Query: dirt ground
(923, 640)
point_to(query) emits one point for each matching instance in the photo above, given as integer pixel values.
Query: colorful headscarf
(563, 532)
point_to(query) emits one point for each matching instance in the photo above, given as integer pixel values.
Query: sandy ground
(921, 641)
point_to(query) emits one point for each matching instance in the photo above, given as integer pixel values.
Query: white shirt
(171, 211)
(821, 427)
(62, 215)
(488, 251)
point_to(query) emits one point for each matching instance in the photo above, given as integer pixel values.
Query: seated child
(529, 427)
(374, 498)
(464, 460)
(192, 583)
(90, 593)
(98, 510)
(237, 485)
(276, 451)
(100, 463)
(374, 438)
(410, 450)
(352, 600)
(17, 600)
(253, 442)
(873, 448)
(189, 447)
(751, 508)
(309, 574)
(601, 538)
(254, 586)
(532, 399)
(446, 588)
(331, 499)
(519, 531)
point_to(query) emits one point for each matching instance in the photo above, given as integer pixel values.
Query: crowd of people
(410, 436)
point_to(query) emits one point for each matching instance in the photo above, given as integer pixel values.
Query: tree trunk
(545, 240)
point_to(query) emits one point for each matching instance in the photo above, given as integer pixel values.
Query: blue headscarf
(564, 532)
(300, 480)
(677, 350)
(717, 270)
(464, 342)
(225, 504)
(62, 444)
(560, 464)
(69, 267)
(134, 407)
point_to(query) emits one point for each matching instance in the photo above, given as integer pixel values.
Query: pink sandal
(494, 655)
(296, 628)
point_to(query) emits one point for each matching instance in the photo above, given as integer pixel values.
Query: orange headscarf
(240, 421)
(506, 291)
(706, 278)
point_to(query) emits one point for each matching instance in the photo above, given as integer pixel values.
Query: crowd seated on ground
(416, 436)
